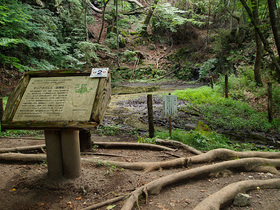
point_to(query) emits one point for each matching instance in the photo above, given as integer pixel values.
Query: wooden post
(170, 124)
(211, 82)
(226, 85)
(85, 140)
(54, 155)
(150, 115)
(269, 109)
(1, 109)
(71, 153)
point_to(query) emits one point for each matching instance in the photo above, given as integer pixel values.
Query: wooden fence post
(150, 115)
(269, 108)
(211, 82)
(226, 85)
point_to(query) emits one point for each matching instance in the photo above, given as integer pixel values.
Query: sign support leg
(71, 153)
(54, 156)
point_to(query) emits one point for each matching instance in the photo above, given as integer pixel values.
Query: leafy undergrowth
(205, 140)
(227, 113)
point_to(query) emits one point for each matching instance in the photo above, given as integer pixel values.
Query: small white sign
(99, 72)
(169, 105)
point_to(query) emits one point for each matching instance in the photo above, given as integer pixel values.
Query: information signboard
(169, 105)
(57, 99)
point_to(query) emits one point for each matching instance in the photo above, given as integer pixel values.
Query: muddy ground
(26, 186)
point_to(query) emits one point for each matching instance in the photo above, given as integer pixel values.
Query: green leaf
(111, 207)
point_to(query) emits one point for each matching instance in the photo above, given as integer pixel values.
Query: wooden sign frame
(102, 99)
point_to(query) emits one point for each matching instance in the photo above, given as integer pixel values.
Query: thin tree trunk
(264, 40)
(148, 18)
(258, 61)
(103, 19)
(274, 21)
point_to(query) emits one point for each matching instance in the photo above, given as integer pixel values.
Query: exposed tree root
(18, 157)
(221, 154)
(128, 145)
(154, 187)
(178, 145)
(228, 193)
(18, 149)
(226, 154)
(108, 202)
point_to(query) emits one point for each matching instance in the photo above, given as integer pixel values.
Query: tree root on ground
(25, 148)
(178, 144)
(220, 154)
(228, 193)
(154, 187)
(108, 202)
(128, 145)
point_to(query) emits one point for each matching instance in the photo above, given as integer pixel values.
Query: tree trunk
(274, 21)
(103, 20)
(257, 65)
(148, 18)
(264, 40)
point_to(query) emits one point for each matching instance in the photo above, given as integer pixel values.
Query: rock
(242, 200)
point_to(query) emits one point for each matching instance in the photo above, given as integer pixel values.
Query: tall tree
(263, 39)
(148, 18)
(274, 21)
(258, 59)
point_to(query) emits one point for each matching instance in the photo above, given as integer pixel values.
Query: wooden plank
(15, 98)
(46, 125)
(102, 99)
(59, 73)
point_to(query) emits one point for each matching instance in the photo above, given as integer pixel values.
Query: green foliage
(129, 56)
(225, 113)
(85, 52)
(200, 140)
(169, 18)
(206, 140)
(34, 37)
(206, 67)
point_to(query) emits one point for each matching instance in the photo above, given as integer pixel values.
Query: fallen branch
(228, 193)
(178, 145)
(25, 148)
(127, 145)
(154, 187)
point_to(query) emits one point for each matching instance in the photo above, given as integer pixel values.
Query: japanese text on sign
(169, 105)
(99, 72)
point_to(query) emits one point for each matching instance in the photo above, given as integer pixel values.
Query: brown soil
(26, 186)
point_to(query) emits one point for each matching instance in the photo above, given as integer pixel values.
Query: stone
(242, 199)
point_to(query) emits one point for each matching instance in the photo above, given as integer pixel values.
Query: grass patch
(227, 113)
(204, 140)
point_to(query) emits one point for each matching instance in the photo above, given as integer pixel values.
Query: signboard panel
(169, 105)
(57, 99)
(99, 72)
